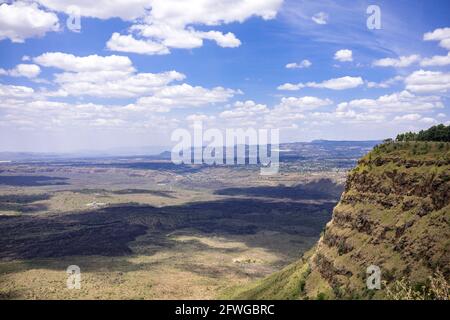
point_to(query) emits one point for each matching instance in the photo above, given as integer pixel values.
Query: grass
(185, 270)
(286, 284)
(417, 150)
(437, 287)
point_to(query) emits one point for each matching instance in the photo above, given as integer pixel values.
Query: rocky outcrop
(394, 213)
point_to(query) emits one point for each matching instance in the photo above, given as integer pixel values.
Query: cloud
(408, 117)
(10, 91)
(283, 115)
(414, 117)
(347, 116)
(170, 23)
(428, 81)
(22, 20)
(184, 39)
(338, 83)
(115, 77)
(442, 35)
(403, 101)
(384, 84)
(320, 18)
(245, 109)
(436, 61)
(403, 61)
(228, 40)
(199, 118)
(44, 115)
(211, 12)
(25, 70)
(291, 86)
(304, 64)
(127, 43)
(342, 83)
(115, 84)
(344, 55)
(399, 108)
(428, 120)
(169, 36)
(172, 37)
(92, 63)
(183, 96)
(102, 9)
(293, 109)
(406, 61)
(303, 103)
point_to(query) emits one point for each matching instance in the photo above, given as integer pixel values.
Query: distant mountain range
(293, 149)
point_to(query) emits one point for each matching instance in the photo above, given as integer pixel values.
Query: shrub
(321, 296)
(436, 288)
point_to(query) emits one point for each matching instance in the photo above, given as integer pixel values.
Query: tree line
(435, 133)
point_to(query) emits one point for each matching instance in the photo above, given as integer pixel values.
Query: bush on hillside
(436, 288)
(435, 133)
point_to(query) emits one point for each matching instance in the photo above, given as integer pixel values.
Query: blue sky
(137, 70)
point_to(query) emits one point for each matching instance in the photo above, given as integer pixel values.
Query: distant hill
(369, 143)
(16, 156)
(115, 152)
(294, 150)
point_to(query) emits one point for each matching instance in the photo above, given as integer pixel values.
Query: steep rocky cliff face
(394, 213)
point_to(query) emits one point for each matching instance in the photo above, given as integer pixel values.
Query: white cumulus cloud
(303, 64)
(436, 61)
(291, 86)
(408, 117)
(342, 83)
(384, 84)
(403, 61)
(422, 81)
(183, 96)
(303, 103)
(244, 109)
(21, 20)
(10, 91)
(228, 40)
(344, 55)
(127, 43)
(338, 83)
(115, 84)
(441, 34)
(403, 101)
(170, 23)
(92, 63)
(102, 9)
(25, 70)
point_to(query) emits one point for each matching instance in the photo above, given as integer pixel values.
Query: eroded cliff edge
(394, 213)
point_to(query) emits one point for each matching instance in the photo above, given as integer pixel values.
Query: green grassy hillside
(394, 213)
